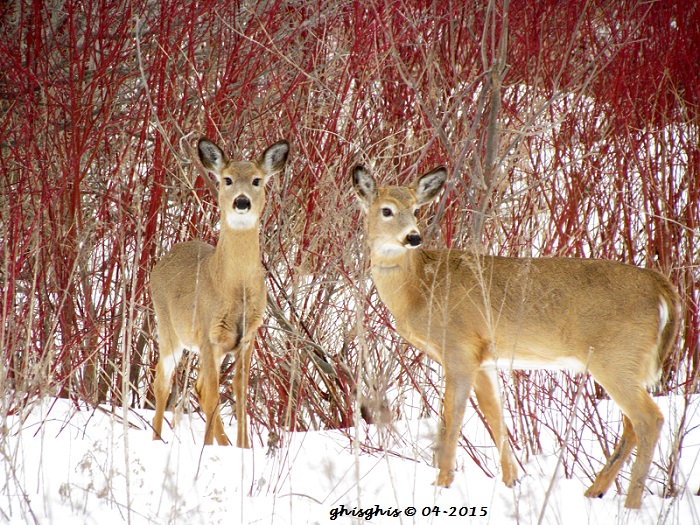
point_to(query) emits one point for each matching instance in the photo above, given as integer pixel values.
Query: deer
(474, 314)
(210, 299)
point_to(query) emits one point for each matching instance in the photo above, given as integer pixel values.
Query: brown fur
(469, 311)
(211, 299)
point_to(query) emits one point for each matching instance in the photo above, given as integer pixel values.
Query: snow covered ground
(64, 465)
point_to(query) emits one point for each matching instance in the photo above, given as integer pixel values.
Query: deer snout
(414, 240)
(241, 204)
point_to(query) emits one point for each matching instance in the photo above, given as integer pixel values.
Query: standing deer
(472, 313)
(211, 300)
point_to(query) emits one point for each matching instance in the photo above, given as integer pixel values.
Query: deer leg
(487, 396)
(240, 387)
(161, 390)
(457, 390)
(169, 358)
(622, 451)
(207, 387)
(646, 422)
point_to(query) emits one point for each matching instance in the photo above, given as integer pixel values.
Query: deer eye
(228, 181)
(256, 181)
(387, 212)
(415, 212)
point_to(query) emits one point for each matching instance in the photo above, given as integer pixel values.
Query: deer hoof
(445, 478)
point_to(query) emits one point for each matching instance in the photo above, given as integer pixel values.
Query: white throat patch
(240, 221)
(389, 250)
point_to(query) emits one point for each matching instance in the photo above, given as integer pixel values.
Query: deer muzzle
(413, 240)
(241, 204)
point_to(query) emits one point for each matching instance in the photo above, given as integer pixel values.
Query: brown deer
(472, 313)
(211, 300)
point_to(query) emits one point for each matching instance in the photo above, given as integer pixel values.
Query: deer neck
(236, 259)
(395, 279)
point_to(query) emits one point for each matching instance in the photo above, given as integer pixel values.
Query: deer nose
(241, 203)
(413, 239)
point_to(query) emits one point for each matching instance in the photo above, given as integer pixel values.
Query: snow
(65, 464)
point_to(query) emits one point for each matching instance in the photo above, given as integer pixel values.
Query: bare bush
(568, 129)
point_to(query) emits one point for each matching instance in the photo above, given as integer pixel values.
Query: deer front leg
(487, 396)
(457, 390)
(207, 387)
(240, 390)
(167, 363)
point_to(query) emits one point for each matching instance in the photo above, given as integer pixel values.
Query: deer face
(391, 211)
(242, 184)
(241, 194)
(392, 224)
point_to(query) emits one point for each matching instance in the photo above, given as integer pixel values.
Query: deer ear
(274, 158)
(429, 185)
(213, 159)
(364, 185)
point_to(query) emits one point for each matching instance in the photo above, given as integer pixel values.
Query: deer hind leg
(240, 390)
(457, 390)
(207, 387)
(643, 422)
(487, 396)
(607, 475)
(170, 355)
